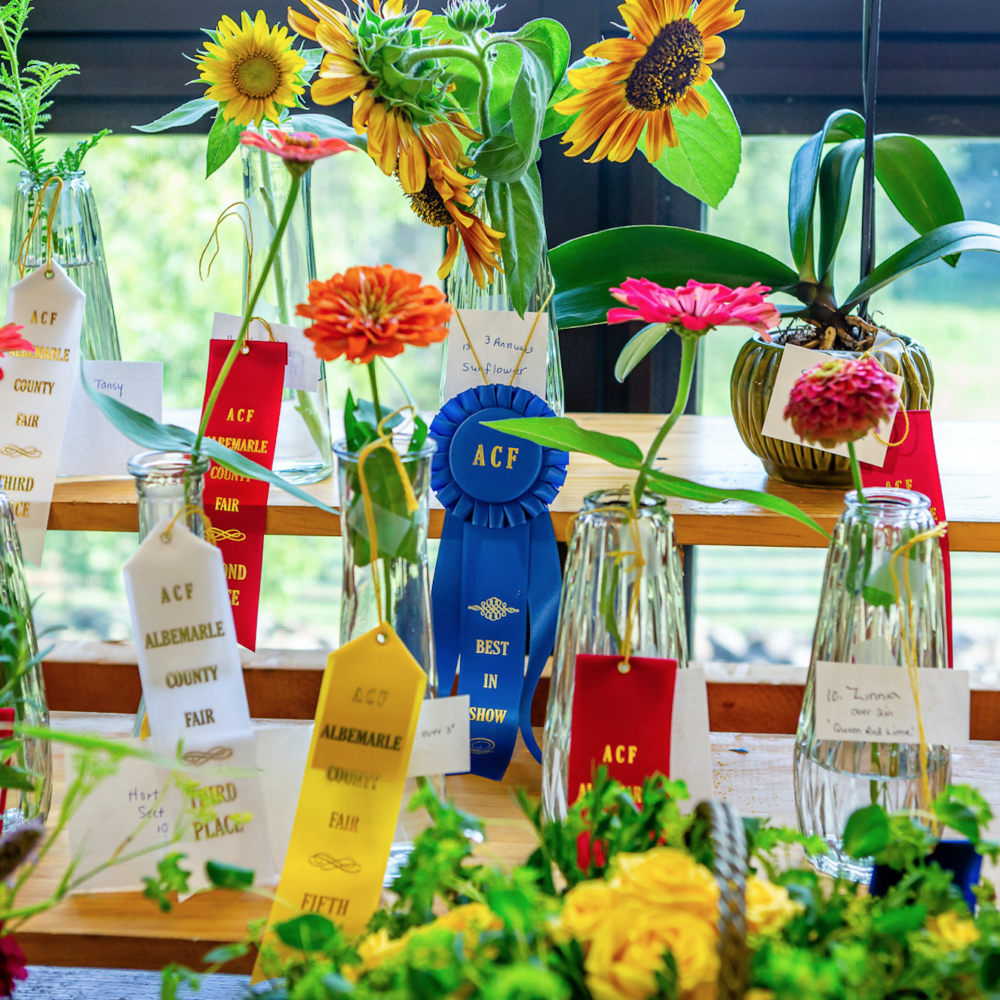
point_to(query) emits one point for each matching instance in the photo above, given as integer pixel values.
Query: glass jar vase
(302, 452)
(77, 245)
(598, 589)
(404, 581)
(26, 693)
(860, 621)
(167, 482)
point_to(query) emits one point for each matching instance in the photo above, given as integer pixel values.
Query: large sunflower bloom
(253, 71)
(341, 74)
(646, 76)
(444, 202)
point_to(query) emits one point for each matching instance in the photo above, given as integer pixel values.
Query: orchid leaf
(836, 179)
(638, 347)
(585, 269)
(186, 114)
(958, 237)
(566, 434)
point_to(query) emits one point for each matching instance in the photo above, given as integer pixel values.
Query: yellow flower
(585, 907)
(475, 917)
(953, 931)
(629, 948)
(667, 877)
(645, 76)
(341, 74)
(374, 950)
(253, 71)
(769, 907)
(758, 994)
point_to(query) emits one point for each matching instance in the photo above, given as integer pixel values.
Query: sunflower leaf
(222, 143)
(528, 100)
(550, 42)
(327, 127)
(502, 158)
(187, 113)
(706, 159)
(516, 210)
(313, 58)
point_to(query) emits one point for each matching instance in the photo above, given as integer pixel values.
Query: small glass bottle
(594, 611)
(27, 693)
(302, 452)
(404, 582)
(859, 621)
(77, 245)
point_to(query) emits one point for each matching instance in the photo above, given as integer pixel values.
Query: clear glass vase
(464, 293)
(167, 482)
(77, 245)
(594, 611)
(302, 453)
(404, 581)
(26, 694)
(859, 621)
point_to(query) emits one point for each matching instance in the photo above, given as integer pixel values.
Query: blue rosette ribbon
(497, 581)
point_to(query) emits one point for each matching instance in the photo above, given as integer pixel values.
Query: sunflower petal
(693, 101)
(715, 48)
(713, 16)
(617, 50)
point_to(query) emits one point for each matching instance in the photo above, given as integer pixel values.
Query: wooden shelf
(705, 449)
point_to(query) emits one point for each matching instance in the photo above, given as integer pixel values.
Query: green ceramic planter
(750, 391)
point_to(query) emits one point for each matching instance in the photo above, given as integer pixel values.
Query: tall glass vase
(404, 580)
(597, 592)
(167, 482)
(860, 621)
(23, 686)
(77, 245)
(464, 293)
(302, 453)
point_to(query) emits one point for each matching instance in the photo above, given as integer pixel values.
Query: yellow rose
(768, 906)
(470, 917)
(953, 931)
(374, 950)
(666, 877)
(629, 945)
(585, 906)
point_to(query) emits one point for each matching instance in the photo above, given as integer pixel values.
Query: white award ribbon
(34, 397)
(192, 681)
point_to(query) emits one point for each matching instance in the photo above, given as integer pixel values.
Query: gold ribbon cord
(921, 399)
(22, 256)
(189, 508)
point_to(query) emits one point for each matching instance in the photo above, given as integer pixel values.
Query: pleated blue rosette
(497, 579)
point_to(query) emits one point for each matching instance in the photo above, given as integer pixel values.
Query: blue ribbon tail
(544, 587)
(446, 603)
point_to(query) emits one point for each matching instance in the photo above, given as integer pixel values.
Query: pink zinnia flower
(841, 400)
(11, 340)
(299, 150)
(695, 306)
(13, 965)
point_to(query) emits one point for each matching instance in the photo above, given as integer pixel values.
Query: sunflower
(253, 71)
(444, 202)
(645, 76)
(341, 74)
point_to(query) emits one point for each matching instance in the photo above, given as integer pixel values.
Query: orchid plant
(691, 311)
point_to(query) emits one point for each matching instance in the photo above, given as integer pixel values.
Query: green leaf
(957, 237)
(802, 183)
(313, 58)
(307, 932)
(835, 182)
(917, 183)
(224, 876)
(226, 953)
(566, 434)
(555, 122)
(528, 101)
(585, 268)
(989, 971)
(327, 127)
(867, 832)
(638, 347)
(502, 158)
(187, 113)
(516, 210)
(222, 143)
(674, 486)
(505, 69)
(149, 433)
(420, 430)
(901, 921)
(173, 977)
(959, 817)
(550, 42)
(706, 159)
(16, 777)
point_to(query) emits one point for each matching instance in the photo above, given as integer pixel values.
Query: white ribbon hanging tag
(34, 396)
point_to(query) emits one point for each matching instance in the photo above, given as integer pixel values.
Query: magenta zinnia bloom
(11, 340)
(841, 400)
(299, 150)
(13, 965)
(695, 306)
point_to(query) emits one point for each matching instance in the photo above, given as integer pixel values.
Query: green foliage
(224, 876)
(638, 347)
(170, 877)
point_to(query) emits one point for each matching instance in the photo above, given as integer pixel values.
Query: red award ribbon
(912, 465)
(245, 419)
(620, 720)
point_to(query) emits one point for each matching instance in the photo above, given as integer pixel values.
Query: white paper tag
(497, 338)
(795, 361)
(34, 397)
(302, 367)
(866, 703)
(92, 445)
(441, 742)
(690, 741)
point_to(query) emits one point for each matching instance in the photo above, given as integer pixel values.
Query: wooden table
(123, 930)
(705, 449)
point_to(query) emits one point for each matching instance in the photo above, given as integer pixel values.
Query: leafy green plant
(24, 100)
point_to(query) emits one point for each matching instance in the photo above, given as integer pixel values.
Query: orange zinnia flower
(373, 311)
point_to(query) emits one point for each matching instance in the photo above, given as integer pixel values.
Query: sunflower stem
(689, 349)
(293, 193)
(417, 56)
